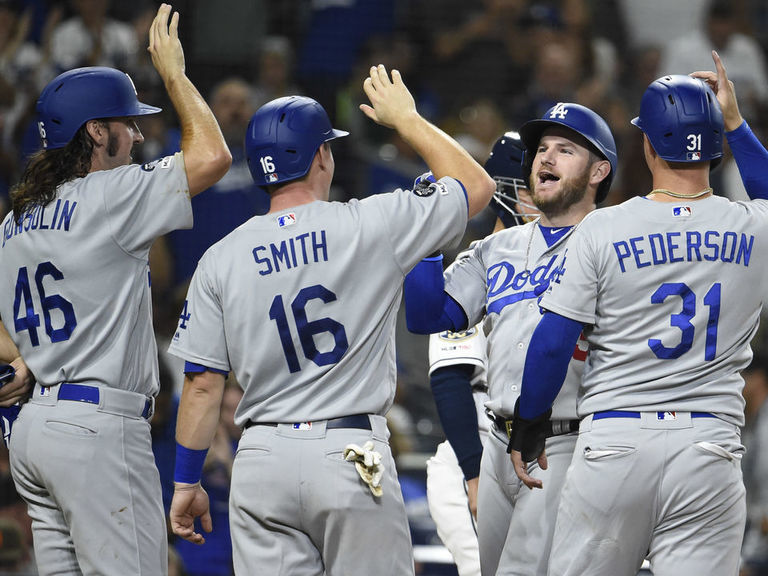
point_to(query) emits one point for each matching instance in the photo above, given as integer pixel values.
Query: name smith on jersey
(51, 217)
(689, 246)
(307, 248)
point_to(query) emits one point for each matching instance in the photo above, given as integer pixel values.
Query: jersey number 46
(24, 315)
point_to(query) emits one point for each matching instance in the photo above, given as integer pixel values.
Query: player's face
(123, 135)
(560, 171)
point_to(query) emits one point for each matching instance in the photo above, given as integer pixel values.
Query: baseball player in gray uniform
(74, 269)
(569, 162)
(301, 304)
(668, 289)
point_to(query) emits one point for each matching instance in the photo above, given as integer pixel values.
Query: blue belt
(626, 414)
(91, 395)
(361, 421)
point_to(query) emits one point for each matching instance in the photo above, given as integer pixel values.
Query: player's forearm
(206, 155)
(546, 364)
(752, 160)
(452, 390)
(446, 157)
(198, 415)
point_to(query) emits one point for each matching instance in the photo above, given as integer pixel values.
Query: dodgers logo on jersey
(681, 211)
(286, 220)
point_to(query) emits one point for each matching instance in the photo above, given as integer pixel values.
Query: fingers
(174, 29)
(521, 469)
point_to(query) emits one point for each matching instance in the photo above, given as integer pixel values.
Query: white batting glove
(368, 465)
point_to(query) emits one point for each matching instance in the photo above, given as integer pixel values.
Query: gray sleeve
(147, 201)
(200, 336)
(465, 282)
(420, 224)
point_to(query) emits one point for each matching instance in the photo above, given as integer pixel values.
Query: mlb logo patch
(694, 156)
(681, 211)
(286, 220)
(302, 425)
(272, 177)
(666, 415)
(45, 391)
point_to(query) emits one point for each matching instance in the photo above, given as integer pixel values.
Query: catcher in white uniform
(668, 289)
(301, 304)
(447, 489)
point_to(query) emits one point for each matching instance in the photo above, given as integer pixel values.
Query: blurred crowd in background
(476, 68)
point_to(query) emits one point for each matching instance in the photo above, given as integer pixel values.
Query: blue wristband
(189, 464)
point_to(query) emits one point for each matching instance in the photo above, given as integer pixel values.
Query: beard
(112, 144)
(572, 191)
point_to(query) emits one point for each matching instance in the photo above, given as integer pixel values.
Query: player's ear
(97, 130)
(322, 155)
(600, 171)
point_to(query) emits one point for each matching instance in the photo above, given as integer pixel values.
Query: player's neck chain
(678, 195)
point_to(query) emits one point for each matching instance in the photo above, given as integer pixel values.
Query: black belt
(556, 427)
(361, 421)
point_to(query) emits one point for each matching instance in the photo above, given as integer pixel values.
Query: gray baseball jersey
(302, 304)
(76, 278)
(499, 281)
(673, 293)
(76, 273)
(675, 309)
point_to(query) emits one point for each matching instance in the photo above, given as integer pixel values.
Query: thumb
(206, 522)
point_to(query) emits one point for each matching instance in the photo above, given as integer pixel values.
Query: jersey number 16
(307, 330)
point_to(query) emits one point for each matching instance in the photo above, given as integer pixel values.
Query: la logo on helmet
(559, 111)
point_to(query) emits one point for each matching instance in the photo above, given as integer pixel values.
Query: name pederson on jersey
(672, 293)
(75, 275)
(302, 304)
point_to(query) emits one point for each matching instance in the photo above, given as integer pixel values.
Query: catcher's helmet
(504, 165)
(82, 94)
(283, 136)
(682, 119)
(581, 120)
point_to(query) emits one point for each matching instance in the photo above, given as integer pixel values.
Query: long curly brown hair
(47, 170)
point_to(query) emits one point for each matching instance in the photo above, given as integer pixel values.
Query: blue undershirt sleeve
(752, 160)
(452, 390)
(192, 368)
(428, 308)
(546, 364)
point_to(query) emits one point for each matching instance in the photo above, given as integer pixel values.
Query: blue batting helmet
(82, 94)
(682, 119)
(581, 120)
(283, 136)
(505, 166)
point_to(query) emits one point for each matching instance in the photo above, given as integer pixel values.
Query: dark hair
(47, 170)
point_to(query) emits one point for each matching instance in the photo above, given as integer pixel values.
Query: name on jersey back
(689, 246)
(300, 250)
(56, 216)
